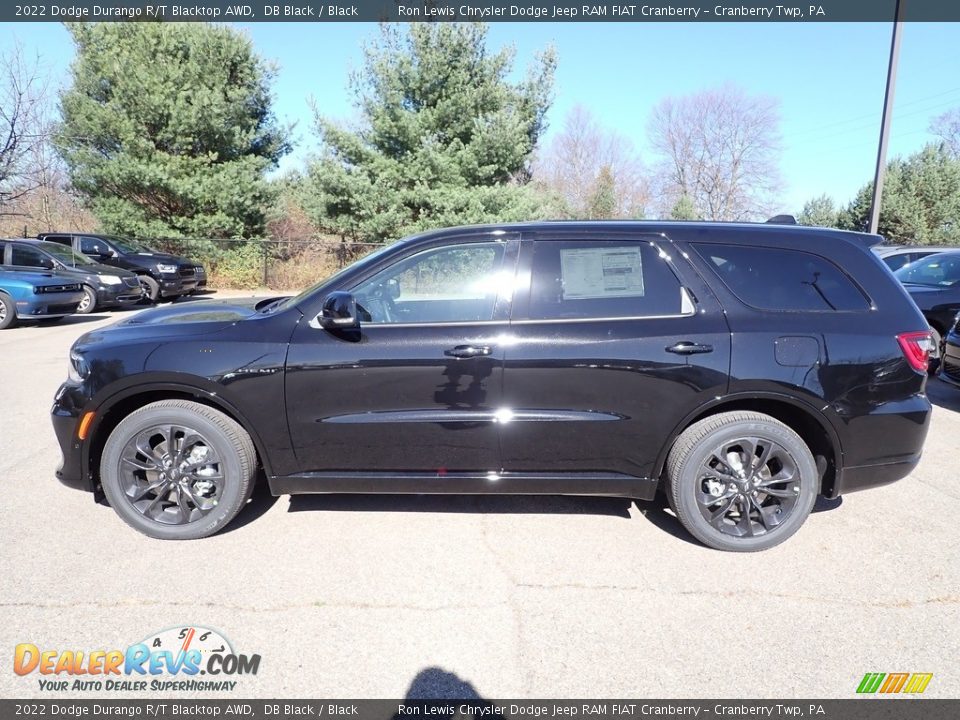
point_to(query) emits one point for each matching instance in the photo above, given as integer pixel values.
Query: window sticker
(601, 272)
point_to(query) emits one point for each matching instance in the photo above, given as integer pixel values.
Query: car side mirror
(339, 312)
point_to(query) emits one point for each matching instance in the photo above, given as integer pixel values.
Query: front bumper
(173, 285)
(48, 305)
(126, 293)
(65, 414)
(949, 370)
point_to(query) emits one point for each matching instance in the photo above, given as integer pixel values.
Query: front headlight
(167, 269)
(111, 279)
(78, 368)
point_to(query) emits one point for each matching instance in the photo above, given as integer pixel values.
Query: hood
(38, 277)
(94, 269)
(198, 311)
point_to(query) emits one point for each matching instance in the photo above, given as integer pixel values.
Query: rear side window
(582, 279)
(781, 279)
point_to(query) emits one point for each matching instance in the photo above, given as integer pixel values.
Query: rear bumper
(865, 477)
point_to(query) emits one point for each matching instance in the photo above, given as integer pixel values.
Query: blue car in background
(33, 296)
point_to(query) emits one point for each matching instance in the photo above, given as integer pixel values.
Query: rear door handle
(685, 347)
(467, 351)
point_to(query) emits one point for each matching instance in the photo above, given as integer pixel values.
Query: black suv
(103, 286)
(742, 368)
(160, 274)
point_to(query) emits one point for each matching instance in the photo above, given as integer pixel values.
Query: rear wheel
(8, 312)
(741, 481)
(89, 301)
(149, 287)
(178, 470)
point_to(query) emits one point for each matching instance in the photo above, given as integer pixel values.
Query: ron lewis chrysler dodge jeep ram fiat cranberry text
(741, 368)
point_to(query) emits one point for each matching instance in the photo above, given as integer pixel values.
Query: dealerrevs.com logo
(172, 660)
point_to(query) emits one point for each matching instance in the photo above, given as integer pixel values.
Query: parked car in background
(28, 296)
(934, 284)
(896, 256)
(950, 361)
(103, 286)
(161, 275)
(741, 369)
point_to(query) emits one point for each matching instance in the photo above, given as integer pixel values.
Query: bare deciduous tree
(947, 127)
(585, 160)
(719, 148)
(24, 126)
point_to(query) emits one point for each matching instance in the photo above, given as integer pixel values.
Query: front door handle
(685, 347)
(467, 351)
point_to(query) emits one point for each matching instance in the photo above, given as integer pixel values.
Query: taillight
(916, 347)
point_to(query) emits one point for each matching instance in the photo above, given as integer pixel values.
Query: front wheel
(178, 470)
(149, 288)
(741, 481)
(8, 312)
(89, 301)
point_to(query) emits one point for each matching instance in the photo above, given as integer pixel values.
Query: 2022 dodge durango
(742, 369)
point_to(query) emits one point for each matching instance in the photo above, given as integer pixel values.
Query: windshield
(66, 255)
(366, 259)
(940, 270)
(128, 245)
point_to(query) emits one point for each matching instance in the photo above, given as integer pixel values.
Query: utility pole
(885, 121)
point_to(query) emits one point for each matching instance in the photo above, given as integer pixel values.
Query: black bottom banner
(474, 709)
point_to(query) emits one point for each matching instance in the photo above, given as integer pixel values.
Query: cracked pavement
(379, 596)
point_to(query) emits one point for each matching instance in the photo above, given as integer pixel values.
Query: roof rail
(782, 220)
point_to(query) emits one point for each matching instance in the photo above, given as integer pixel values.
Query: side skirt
(466, 483)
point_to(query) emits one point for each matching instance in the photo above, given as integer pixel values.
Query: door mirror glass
(339, 312)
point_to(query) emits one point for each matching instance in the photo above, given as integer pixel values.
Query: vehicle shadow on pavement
(433, 683)
(658, 513)
(487, 504)
(943, 395)
(259, 503)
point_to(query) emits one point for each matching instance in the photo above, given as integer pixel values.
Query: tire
(138, 486)
(150, 288)
(703, 479)
(89, 302)
(8, 312)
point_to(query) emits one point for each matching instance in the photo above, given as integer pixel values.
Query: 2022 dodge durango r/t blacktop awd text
(742, 368)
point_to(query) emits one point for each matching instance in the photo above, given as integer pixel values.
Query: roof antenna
(782, 220)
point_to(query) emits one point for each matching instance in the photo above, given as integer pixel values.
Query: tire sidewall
(229, 503)
(92, 295)
(11, 310)
(686, 491)
(150, 287)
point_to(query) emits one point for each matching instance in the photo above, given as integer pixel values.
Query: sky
(829, 78)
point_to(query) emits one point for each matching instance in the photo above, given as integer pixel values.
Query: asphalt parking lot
(360, 596)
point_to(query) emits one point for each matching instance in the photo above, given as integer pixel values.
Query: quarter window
(780, 279)
(453, 284)
(578, 279)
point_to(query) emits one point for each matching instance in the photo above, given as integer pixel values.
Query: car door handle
(685, 347)
(467, 351)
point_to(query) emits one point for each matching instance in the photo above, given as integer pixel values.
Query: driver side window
(91, 246)
(453, 284)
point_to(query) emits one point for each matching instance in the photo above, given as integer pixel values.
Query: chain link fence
(280, 264)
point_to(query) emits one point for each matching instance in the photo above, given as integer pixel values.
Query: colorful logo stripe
(910, 683)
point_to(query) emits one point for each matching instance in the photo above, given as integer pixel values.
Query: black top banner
(481, 10)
